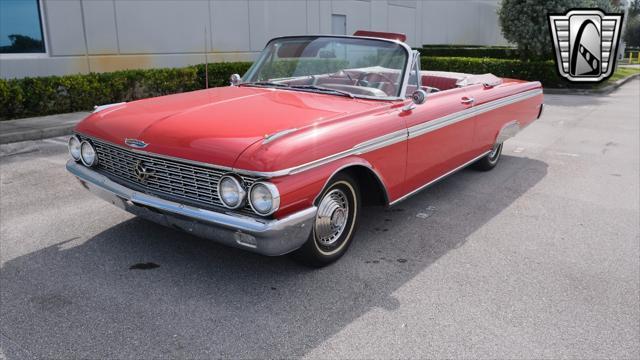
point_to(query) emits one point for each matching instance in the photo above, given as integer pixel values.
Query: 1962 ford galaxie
(282, 160)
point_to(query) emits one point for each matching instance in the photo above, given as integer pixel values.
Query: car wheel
(489, 161)
(335, 224)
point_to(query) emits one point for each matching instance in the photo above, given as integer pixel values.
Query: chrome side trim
(439, 123)
(400, 135)
(404, 197)
(369, 145)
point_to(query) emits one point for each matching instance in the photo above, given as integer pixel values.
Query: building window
(20, 27)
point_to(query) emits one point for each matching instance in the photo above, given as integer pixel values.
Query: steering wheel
(362, 78)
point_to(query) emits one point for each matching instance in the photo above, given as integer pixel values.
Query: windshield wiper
(265, 83)
(324, 89)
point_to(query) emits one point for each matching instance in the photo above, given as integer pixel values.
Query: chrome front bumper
(267, 237)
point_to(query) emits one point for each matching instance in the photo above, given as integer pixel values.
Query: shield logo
(586, 43)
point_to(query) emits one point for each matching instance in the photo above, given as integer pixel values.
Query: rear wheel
(490, 160)
(335, 223)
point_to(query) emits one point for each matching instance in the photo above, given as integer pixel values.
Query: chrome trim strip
(451, 119)
(369, 145)
(404, 197)
(400, 135)
(147, 153)
(277, 135)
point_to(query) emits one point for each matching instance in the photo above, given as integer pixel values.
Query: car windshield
(355, 67)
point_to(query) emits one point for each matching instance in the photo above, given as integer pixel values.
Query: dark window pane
(20, 27)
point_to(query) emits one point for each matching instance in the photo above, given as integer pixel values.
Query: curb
(36, 134)
(39, 127)
(599, 91)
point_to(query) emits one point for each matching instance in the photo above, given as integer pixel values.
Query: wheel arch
(369, 182)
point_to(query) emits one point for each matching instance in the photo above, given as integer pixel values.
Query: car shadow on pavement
(141, 290)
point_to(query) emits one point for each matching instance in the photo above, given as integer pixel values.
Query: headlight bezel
(275, 197)
(72, 138)
(242, 192)
(95, 154)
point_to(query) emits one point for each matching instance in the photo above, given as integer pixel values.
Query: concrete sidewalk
(39, 127)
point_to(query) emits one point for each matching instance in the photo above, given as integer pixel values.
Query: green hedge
(479, 52)
(457, 46)
(61, 94)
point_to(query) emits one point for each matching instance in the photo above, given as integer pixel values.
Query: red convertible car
(283, 160)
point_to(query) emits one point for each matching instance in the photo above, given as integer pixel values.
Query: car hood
(216, 125)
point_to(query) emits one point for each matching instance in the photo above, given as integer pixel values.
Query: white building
(57, 37)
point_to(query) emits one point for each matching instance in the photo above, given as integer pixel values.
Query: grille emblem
(141, 172)
(135, 143)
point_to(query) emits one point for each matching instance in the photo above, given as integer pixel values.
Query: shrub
(632, 32)
(476, 51)
(525, 23)
(60, 94)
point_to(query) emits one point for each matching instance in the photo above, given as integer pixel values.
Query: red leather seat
(441, 83)
(441, 80)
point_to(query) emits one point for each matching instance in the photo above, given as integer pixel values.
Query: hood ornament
(135, 143)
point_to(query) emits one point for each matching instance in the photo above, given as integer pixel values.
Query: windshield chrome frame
(405, 70)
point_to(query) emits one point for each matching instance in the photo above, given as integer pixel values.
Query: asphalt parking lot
(539, 258)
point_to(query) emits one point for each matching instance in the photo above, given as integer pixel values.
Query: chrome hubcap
(331, 219)
(495, 151)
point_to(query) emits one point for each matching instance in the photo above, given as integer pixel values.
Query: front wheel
(335, 224)
(490, 160)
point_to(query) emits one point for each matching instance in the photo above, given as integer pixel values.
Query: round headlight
(74, 148)
(88, 154)
(231, 192)
(264, 198)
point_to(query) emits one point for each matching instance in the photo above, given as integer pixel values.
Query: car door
(440, 137)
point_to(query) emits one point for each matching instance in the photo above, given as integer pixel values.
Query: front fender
(299, 191)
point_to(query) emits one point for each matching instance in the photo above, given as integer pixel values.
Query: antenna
(206, 61)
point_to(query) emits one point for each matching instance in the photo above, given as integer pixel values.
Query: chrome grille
(180, 180)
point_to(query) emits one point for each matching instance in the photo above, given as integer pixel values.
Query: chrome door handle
(467, 100)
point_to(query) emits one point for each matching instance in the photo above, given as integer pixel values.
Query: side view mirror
(235, 79)
(419, 96)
